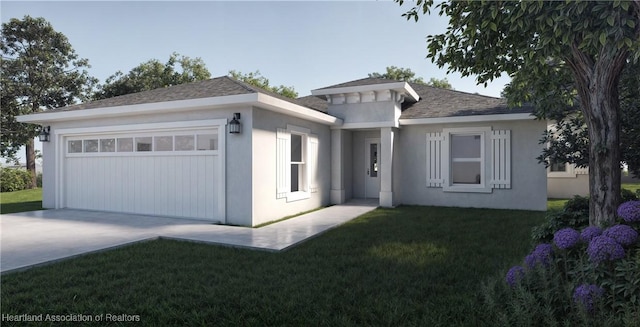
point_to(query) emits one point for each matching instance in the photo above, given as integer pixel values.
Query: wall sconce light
(234, 124)
(44, 134)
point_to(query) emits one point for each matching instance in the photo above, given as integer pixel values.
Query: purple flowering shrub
(623, 234)
(566, 238)
(586, 296)
(630, 211)
(589, 233)
(587, 275)
(604, 248)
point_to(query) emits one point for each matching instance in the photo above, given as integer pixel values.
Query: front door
(372, 168)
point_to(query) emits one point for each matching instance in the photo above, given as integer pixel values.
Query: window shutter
(434, 160)
(501, 159)
(313, 163)
(283, 160)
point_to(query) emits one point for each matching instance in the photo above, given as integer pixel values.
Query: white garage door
(166, 173)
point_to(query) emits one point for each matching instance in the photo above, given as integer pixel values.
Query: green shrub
(627, 195)
(580, 279)
(14, 179)
(39, 180)
(575, 214)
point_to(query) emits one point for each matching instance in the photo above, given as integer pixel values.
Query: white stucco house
(169, 151)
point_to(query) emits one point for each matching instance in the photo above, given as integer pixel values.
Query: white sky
(303, 44)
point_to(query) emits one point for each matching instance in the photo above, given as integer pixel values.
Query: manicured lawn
(19, 201)
(408, 266)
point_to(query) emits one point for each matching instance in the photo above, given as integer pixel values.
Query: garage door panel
(166, 183)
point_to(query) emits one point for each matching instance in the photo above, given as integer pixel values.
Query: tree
(569, 141)
(153, 75)
(591, 40)
(40, 71)
(407, 75)
(256, 79)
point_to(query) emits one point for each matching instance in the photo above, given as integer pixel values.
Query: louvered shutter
(313, 163)
(283, 161)
(434, 160)
(501, 159)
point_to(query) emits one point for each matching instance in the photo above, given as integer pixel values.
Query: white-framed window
(144, 143)
(296, 163)
(474, 159)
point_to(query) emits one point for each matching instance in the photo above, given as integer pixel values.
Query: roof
(434, 102)
(215, 87)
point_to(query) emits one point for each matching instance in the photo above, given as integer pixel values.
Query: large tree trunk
(597, 84)
(31, 162)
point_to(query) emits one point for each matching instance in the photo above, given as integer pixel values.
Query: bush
(574, 214)
(39, 180)
(627, 195)
(591, 278)
(14, 179)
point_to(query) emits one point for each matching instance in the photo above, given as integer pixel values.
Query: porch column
(337, 167)
(386, 166)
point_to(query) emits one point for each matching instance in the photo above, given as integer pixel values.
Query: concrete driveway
(33, 238)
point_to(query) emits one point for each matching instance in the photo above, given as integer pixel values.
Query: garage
(161, 172)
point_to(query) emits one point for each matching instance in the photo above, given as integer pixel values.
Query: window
(125, 144)
(74, 146)
(185, 142)
(296, 163)
(163, 143)
(466, 159)
(475, 159)
(207, 142)
(90, 145)
(143, 144)
(558, 167)
(146, 143)
(298, 180)
(108, 145)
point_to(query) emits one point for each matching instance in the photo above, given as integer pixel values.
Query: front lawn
(20, 201)
(420, 266)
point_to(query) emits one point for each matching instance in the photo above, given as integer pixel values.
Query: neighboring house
(169, 151)
(566, 180)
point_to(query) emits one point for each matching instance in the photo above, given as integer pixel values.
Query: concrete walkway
(33, 238)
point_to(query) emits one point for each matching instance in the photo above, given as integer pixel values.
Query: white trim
(448, 185)
(61, 136)
(401, 87)
(465, 119)
(136, 128)
(374, 124)
(254, 99)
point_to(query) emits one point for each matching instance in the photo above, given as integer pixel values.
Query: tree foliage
(569, 140)
(256, 79)
(589, 41)
(153, 75)
(407, 75)
(40, 71)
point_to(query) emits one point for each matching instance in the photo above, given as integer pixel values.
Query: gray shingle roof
(219, 86)
(434, 102)
(437, 102)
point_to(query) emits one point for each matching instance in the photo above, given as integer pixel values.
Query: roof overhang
(401, 87)
(253, 99)
(466, 119)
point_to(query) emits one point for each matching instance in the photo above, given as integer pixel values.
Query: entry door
(372, 161)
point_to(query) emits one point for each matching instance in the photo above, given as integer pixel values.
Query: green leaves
(153, 74)
(40, 71)
(256, 79)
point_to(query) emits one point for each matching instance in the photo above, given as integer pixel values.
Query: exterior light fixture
(44, 134)
(234, 124)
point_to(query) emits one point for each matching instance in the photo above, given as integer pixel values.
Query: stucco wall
(567, 187)
(364, 112)
(266, 207)
(528, 178)
(238, 155)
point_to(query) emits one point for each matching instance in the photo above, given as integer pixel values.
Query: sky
(303, 44)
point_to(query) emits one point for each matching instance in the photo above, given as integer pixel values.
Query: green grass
(633, 187)
(19, 201)
(408, 266)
